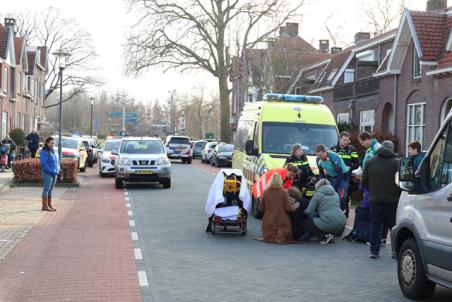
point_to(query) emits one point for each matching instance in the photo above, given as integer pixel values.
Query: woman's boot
(49, 203)
(45, 206)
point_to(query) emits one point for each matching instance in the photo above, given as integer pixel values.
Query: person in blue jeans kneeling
(50, 168)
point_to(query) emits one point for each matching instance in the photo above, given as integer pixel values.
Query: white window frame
(349, 72)
(410, 126)
(5, 79)
(343, 117)
(365, 114)
(418, 63)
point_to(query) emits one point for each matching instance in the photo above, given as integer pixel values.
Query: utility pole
(124, 116)
(173, 112)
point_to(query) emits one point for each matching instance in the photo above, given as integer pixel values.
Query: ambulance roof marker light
(276, 97)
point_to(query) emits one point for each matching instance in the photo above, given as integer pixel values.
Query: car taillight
(67, 153)
(188, 151)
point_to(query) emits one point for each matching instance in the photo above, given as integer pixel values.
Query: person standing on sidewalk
(50, 168)
(351, 160)
(379, 179)
(414, 151)
(371, 145)
(33, 142)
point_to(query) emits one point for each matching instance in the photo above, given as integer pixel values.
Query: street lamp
(61, 55)
(91, 127)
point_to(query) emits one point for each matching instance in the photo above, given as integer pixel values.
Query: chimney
(361, 37)
(11, 22)
(436, 5)
(336, 49)
(324, 46)
(292, 29)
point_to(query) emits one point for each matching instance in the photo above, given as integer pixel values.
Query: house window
(343, 118)
(297, 90)
(5, 80)
(416, 123)
(366, 120)
(349, 76)
(416, 64)
(332, 74)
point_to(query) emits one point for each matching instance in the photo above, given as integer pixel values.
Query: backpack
(360, 232)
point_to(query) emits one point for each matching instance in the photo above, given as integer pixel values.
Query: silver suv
(142, 159)
(422, 237)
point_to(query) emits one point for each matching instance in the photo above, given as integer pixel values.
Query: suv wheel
(166, 183)
(119, 184)
(411, 274)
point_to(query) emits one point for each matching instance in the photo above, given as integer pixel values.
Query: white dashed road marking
(127, 199)
(129, 213)
(128, 205)
(134, 236)
(138, 254)
(143, 278)
(132, 223)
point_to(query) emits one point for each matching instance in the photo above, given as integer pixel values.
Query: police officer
(298, 159)
(351, 160)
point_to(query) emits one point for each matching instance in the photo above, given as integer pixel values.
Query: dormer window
(449, 42)
(332, 74)
(416, 65)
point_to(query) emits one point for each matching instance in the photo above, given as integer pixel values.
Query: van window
(278, 138)
(436, 162)
(244, 133)
(446, 177)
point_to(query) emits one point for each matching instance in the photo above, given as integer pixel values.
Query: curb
(35, 184)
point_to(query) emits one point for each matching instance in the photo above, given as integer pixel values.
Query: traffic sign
(115, 113)
(132, 114)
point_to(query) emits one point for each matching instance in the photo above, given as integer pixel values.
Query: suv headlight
(163, 161)
(124, 161)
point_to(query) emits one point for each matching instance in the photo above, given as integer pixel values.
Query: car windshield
(226, 148)
(211, 145)
(67, 143)
(200, 145)
(278, 138)
(112, 146)
(180, 140)
(142, 147)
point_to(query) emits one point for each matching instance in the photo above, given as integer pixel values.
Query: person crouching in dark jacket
(298, 159)
(379, 179)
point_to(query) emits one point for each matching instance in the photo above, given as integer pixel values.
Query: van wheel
(255, 208)
(411, 274)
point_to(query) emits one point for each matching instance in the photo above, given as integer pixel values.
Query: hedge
(29, 171)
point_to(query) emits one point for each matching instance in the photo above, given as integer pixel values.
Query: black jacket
(33, 141)
(379, 177)
(348, 155)
(304, 170)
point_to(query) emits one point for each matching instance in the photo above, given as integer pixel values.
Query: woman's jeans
(49, 184)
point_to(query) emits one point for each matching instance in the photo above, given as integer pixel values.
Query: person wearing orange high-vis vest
(287, 174)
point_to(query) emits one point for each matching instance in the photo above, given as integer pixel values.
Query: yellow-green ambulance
(267, 130)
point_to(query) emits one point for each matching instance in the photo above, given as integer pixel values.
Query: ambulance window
(256, 136)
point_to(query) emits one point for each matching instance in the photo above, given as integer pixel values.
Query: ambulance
(267, 130)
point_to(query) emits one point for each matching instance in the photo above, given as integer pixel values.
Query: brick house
(258, 71)
(397, 82)
(22, 81)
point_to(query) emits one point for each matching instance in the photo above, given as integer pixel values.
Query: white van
(422, 237)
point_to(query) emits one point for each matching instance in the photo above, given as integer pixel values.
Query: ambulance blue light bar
(293, 98)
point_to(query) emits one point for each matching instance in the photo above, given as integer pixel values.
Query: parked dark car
(196, 150)
(91, 159)
(222, 155)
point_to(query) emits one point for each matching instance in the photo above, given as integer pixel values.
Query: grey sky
(108, 22)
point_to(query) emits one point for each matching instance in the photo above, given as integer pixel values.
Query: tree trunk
(225, 131)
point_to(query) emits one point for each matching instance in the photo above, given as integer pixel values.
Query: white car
(206, 153)
(108, 160)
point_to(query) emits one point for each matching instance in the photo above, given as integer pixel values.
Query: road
(184, 263)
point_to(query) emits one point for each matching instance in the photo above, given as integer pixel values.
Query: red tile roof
(336, 62)
(18, 47)
(3, 41)
(445, 57)
(429, 29)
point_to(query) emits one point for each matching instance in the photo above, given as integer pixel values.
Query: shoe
(45, 207)
(326, 239)
(374, 256)
(49, 204)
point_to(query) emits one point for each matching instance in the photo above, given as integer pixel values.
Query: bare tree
(48, 28)
(382, 15)
(196, 34)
